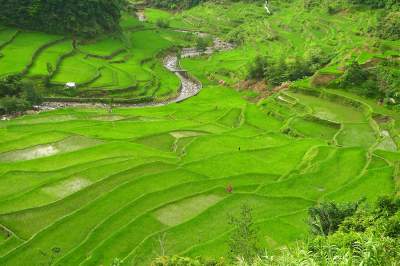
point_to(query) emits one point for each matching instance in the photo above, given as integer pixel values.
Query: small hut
(70, 85)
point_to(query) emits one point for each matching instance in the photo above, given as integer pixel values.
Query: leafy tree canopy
(76, 17)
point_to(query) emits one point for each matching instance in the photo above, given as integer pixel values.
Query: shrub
(203, 43)
(387, 206)
(174, 4)
(162, 23)
(382, 80)
(279, 71)
(11, 105)
(332, 9)
(244, 242)
(354, 75)
(363, 236)
(10, 86)
(186, 261)
(17, 95)
(310, 4)
(256, 70)
(388, 4)
(30, 93)
(389, 26)
(325, 218)
(377, 243)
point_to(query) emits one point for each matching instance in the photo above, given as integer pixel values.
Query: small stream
(189, 86)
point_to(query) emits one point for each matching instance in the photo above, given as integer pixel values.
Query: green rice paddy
(129, 65)
(93, 186)
(126, 66)
(113, 183)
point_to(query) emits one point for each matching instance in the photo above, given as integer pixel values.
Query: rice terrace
(177, 132)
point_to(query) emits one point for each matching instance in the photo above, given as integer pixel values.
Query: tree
(298, 69)
(162, 23)
(17, 95)
(244, 242)
(389, 26)
(202, 44)
(256, 70)
(325, 218)
(387, 206)
(174, 4)
(382, 80)
(354, 75)
(75, 17)
(388, 4)
(11, 105)
(10, 85)
(278, 72)
(30, 94)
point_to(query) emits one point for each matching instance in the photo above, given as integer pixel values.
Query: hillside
(181, 118)
(72, 17)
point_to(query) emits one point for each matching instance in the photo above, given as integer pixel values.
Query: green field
(101, 185)
(125, 66)
(129, 65)
(92, 186)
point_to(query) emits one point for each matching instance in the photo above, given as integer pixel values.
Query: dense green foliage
(102, 176)
(244, 241)
(16, 95)
(325, 218)
(389, 26)
(377, 3)
(276, 72)
(368, 237)
(11, 105)
(362, 237)
(174, 4)
(186, 261)
(77, 17)
(379, 81)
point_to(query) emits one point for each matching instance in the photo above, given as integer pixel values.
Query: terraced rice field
(97, 186)
(128, 66)
(292, 31)
(123, 67)
(85, 186)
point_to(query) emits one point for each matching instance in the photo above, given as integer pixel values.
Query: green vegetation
(124, 66)
(124, 186)
(244, 242)
(298, 40)
(366, 236)
(17, 95)
(354, 235)
(140, 173)
(174, 4)
(388, 28)
(73, 17)
(380, 81)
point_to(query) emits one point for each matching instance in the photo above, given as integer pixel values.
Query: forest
(73, 17)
